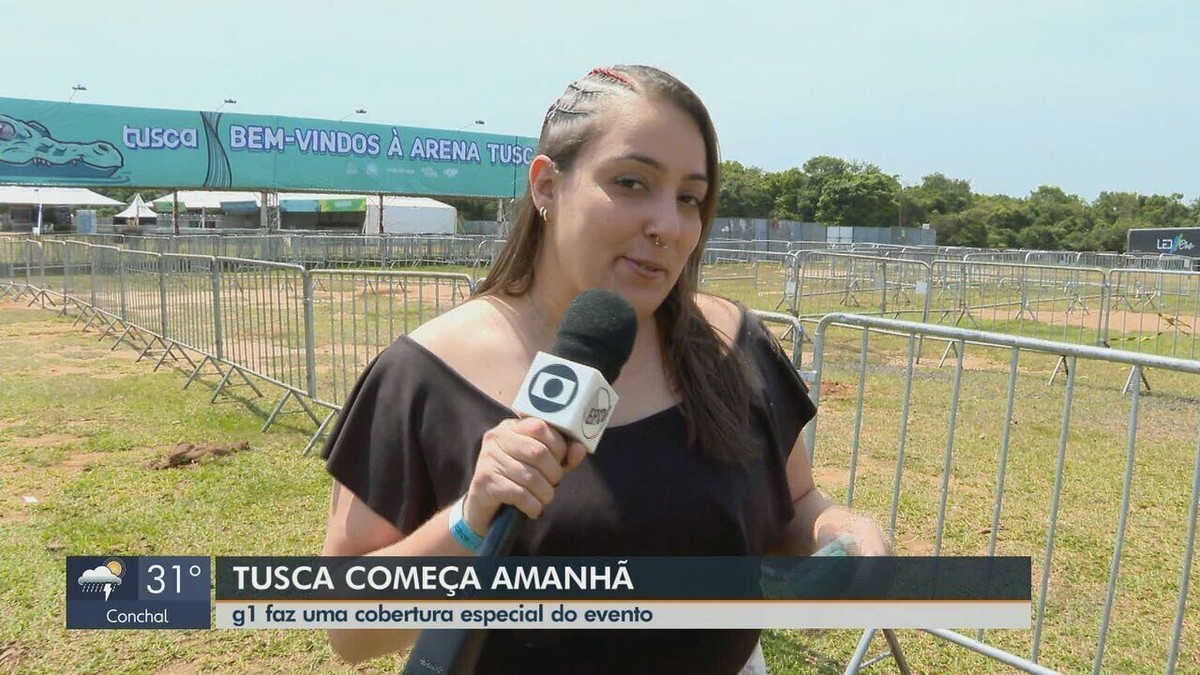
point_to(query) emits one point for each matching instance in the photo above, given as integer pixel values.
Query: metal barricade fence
(78, 271)
(9, 260)
(142, 275)
(52, 267)
(757, 278)
(1154, 312)
(790, 333)
(485, 255)
(830, 282)
(107, 289)
(190, 288)
(984, 460)
(996, 256)
(1054, 303)
(799, 246)
(357, 313)
(20, 262)
(74, 270)
(261, 322)
(926, 255)
(1099, 259)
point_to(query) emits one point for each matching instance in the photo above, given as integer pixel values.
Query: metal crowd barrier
(758, 278)
(831, 282)
(1154, 312)
(357, 313)
(1054, 303)
(263, 315)
(1052, 492)
(14, 265)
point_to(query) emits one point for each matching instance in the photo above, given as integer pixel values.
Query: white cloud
(99, 575)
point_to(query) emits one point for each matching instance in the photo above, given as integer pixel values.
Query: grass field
(80, 425)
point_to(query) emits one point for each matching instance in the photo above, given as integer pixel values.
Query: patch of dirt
(179, 669)
(10, 658)
(931, 358)
(829, 477)
(81, 354)
(915, 546)
(66, 370)
(81, 461)
(189, 454)
(53, 330)
(110, 375)
(46, 441)
(841, 391)
(16, 518)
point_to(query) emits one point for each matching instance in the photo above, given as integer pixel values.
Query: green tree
(939, 194)
(790, 196)
(745, 192)
(866, 199)
(1166, 211)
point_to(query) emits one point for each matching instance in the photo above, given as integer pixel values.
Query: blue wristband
(459, 528)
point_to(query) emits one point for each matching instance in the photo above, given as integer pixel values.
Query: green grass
(78, 422)
(78, 425)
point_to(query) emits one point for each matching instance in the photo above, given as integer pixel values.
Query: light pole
(357, 111)
(471, 124)
(228, 101)
(75, 90)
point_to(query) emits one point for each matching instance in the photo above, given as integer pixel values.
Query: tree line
(835, 191)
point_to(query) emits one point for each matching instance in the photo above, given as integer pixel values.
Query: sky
(1087, 96)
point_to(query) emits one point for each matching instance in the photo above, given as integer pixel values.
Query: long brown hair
(710, 380)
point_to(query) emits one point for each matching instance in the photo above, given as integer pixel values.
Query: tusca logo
(596, 417)
(553, 388)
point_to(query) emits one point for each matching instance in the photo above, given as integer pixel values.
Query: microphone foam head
(597, 330)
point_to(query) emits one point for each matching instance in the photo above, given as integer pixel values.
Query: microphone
(570, 389)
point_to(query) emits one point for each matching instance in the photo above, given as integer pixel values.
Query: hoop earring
(542, 212)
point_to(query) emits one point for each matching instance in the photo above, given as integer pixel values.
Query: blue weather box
(139, 592)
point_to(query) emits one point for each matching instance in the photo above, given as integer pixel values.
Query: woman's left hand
(855, 535)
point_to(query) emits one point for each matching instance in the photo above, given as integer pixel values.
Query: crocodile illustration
(28, 150)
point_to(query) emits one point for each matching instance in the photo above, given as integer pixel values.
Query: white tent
(52, 196)
(138, 210)
(203, 199)
(410, 215)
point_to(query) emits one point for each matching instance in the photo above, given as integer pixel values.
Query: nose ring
(657, 241)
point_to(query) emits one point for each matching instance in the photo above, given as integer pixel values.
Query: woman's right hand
(521, 462)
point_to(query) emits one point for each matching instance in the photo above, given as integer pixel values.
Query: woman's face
(626, 216)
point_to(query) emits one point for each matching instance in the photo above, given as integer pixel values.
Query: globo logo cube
(571, 397)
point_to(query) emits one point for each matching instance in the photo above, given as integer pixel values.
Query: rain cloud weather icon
(103, 577)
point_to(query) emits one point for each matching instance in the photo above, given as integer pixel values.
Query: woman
(703, 455)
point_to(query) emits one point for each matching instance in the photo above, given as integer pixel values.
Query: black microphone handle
(455, 651)
(502, 535)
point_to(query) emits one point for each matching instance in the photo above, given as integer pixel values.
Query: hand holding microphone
(521, 462)
(567, 400)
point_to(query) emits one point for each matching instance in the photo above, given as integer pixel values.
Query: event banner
(84, 145)
(550, 592)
